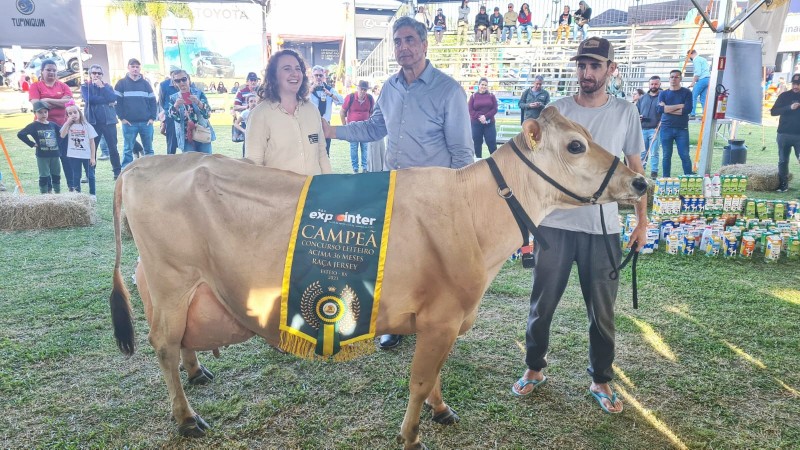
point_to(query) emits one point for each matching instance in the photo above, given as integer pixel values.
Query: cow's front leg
(433, 346)
(166, 331)
(197, 373)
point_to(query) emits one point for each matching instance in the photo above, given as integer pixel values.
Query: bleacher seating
(640, 52)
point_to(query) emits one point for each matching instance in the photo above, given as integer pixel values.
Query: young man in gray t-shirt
(575, 235)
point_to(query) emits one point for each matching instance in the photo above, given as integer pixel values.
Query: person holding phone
(189, 109)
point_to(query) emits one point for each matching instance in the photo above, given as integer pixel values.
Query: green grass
(710, 360)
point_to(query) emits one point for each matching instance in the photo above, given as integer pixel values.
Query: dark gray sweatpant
(550, 277)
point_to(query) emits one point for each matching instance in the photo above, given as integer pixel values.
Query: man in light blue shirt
(422, 110)
(323, 97)
(702, 73)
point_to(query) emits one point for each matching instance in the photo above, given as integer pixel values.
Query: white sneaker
(93, 197)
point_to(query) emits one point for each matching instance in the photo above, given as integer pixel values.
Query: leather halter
(526, 225)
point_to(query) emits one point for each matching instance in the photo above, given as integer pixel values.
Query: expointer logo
(25, 7)
(344, 217)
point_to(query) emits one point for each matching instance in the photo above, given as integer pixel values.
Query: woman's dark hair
(463, 3)
(522, 8)
(640, 91)
(269, 90)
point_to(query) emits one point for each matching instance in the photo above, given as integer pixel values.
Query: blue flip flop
(523, 382)
(599, 396)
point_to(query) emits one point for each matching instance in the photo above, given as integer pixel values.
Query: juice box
(748, 247)
(779, 210)
(772, 251)
(761, 209)
(729, 244)
(714, 246)
(688, 244)
(672, 244)
(793, 250)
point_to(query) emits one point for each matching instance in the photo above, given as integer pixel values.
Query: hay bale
(759, 177)
(35, 212)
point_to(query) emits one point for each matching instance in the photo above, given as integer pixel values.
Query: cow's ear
(533, 132)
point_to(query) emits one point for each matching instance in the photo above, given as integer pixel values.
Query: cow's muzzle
(639, 185)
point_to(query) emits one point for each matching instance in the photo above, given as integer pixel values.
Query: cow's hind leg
(433, 346)
(197, 373)
(166, 331)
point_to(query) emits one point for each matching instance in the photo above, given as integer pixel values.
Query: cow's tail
(120, 297)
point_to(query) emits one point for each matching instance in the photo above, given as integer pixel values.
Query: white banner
(766, 26)
(41, 23)
(790, 42)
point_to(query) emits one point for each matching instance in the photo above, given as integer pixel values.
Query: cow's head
(566, 152)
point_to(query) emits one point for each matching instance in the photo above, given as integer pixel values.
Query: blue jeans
(484, 132)
(354, 161)
(108, 133)
(78, 165)
(699, 90)
(680, 136)
(194, 146)
(785, 144)
(582, 31)
(103, 145)
(65, 164)
(649, 135)
(527, 27)
(508, 33)
(129, 133)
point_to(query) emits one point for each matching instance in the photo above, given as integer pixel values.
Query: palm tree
(157, 12)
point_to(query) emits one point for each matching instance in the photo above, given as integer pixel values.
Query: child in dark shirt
(42, 134)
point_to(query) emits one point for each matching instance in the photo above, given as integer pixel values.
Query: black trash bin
(734, 153)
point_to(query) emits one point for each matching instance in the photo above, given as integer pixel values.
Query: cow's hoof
(448, 417)
(193, 427)
(203, 376)
(416, 446)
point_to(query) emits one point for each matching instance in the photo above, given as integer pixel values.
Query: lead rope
(632, 255)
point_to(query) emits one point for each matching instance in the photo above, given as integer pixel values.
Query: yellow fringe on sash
(303, 348)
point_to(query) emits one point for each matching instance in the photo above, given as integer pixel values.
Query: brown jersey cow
(217, 281)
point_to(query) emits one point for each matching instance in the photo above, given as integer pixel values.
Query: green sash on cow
(334, 267)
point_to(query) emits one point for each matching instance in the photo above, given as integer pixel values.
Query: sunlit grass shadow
(653, 338)
(788, 295)
(655, 422)
(734, 348)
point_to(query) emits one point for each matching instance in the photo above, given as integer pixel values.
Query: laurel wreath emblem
(308, 304)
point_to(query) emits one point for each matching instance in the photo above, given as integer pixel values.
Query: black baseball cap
(596, 48)
(252, 76)
(796, 78)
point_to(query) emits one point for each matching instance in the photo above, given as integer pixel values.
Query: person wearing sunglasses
(190, 110)
(165, 90)
(323, 96)
(509, 24)
(137, 109)
(98, 98)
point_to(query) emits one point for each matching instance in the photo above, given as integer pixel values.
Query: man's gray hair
(316, 68)
(407, 21)
(95, 66)
(538, 78)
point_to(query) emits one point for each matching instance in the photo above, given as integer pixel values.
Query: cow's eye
(576, 147)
